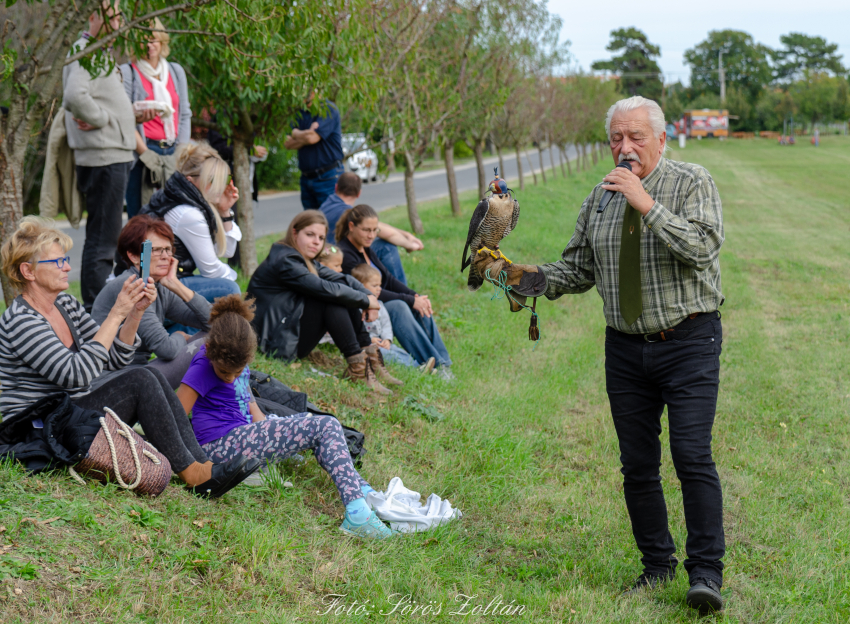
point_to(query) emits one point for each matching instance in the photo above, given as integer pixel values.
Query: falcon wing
(477, 218)
(514, 220)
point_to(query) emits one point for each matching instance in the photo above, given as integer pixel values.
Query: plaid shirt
(680, 245)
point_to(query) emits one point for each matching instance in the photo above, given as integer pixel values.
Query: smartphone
(145, 264)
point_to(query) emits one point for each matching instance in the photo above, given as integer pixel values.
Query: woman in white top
(197, 203)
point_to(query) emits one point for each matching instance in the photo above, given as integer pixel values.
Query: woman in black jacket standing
(298, 300)
(410, 313)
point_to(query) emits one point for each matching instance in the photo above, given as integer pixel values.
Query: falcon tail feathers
(475, 280)
(464, 261)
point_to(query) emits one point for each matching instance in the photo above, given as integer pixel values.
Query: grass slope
(526, 450)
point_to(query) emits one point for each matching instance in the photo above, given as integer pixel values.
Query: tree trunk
(519, 168)
(435, 141)
(11, 206)
(450, 178)
(542, 166)
(478, 149)
(531, 166)
(561, 162)
(593, 154)
(584, 161)
(410, 194)
(552, 159)
(245, 205)
(567, 158)
(390, 152)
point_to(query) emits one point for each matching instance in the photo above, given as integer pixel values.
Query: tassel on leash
(501, 289)
(533, 330)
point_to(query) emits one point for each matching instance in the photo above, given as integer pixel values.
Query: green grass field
(526, 450)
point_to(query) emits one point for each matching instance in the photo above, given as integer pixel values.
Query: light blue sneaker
(373, 528)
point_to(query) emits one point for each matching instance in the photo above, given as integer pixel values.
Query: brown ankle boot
(359, 371)
(376, 361)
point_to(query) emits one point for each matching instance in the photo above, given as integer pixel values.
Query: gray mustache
(634, 157)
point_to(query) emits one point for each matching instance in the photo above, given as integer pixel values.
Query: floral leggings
(278, 438)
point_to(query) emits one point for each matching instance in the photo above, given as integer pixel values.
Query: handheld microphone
(607, 195)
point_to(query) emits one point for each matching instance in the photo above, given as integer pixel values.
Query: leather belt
(162, 143)
(309, 175)
(689, 324)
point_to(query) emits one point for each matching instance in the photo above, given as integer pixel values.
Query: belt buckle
(660, 333)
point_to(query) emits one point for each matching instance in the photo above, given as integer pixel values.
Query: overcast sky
(678, 26)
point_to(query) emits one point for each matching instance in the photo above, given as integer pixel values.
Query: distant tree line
(804, 78)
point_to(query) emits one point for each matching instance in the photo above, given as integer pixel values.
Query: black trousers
(345, 326)
(683, 374)
(141, 394)
(104, 189)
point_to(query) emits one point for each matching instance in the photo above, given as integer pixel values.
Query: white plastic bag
(404, 510)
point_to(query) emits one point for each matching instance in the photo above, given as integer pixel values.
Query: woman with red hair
(174, 301)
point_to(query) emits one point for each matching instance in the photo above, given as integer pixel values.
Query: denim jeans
(397, 355)
(210, 288)
(103, 188)
(682, 374)
(390, 256)
(417, 334)
(134, 184)
(314, 192)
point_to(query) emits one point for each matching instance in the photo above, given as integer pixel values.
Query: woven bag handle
(124, 431)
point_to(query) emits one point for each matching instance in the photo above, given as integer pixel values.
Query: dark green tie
(631, 303)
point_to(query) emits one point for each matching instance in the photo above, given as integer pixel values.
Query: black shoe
(226, 476)
(646, 582)
(704, 595)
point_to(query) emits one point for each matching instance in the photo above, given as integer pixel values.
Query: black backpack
(51, 432)
(275, 397)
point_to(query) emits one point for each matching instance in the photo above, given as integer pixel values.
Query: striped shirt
(34, 363)
(679, 250)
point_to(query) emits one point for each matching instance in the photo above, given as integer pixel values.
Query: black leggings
(344, 324)
(141, 394)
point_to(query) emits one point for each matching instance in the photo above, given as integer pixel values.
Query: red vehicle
(705, 122)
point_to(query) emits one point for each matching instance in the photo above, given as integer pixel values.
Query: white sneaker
(445, 373)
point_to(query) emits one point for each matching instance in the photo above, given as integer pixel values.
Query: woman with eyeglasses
(197, 203)
(410, 313)
(49, 344)
(174, 301)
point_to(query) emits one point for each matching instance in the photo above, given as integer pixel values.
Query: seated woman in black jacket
(298, 300)
(410, 313)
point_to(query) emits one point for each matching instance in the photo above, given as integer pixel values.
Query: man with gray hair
(652, 254)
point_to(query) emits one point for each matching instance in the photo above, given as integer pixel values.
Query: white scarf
(159, 79)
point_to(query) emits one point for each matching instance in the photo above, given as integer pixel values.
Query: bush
(462, 150)
(279, 171)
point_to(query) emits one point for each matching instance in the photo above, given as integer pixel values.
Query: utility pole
(722, 81)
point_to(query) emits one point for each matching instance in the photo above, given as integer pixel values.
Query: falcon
(494, 218)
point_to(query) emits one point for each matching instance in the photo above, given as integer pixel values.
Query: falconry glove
(525, 280)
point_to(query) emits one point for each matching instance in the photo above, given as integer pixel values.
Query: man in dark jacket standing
(318, 139)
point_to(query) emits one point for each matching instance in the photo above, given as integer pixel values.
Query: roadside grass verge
(526, 450)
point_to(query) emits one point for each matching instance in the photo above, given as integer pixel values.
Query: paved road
(276, 211)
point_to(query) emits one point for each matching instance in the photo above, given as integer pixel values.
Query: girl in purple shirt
(227, 420)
